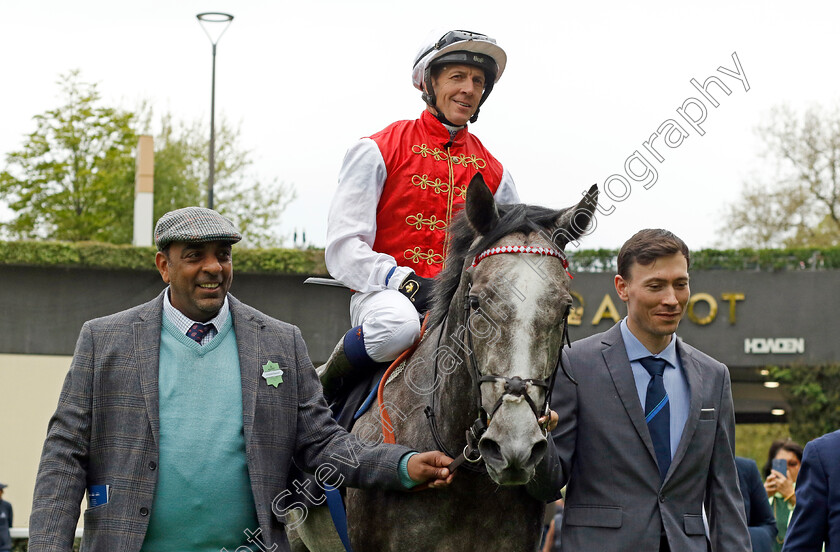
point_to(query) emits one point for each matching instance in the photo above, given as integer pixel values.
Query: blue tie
(658, 413)
(198, 331)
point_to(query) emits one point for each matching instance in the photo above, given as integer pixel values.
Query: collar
(440, 132)
(183, 322)
(454, 130)
(635, 349)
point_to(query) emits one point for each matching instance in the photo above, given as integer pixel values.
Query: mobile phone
(780, 465)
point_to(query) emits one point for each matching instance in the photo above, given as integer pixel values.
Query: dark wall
(786, 304)
(44, 308)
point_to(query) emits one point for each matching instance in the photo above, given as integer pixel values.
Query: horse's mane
(512, 219)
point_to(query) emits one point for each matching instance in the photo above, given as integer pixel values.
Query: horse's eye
(474, 304)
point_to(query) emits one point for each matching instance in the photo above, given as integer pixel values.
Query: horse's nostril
(537, 452)
(490, 450)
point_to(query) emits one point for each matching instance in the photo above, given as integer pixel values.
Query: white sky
(587, 83)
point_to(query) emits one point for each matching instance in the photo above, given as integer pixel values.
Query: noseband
(515, 386)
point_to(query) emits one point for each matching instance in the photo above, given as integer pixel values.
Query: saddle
(353, 397)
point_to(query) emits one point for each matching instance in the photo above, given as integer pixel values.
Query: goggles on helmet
(453, 37)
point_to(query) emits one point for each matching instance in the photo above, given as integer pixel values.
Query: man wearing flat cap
(180, 417)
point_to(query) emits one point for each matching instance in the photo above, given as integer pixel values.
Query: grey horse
(494, 339)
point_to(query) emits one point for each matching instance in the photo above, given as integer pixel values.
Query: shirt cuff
(396, 278)
(390, 273)
(406, 479)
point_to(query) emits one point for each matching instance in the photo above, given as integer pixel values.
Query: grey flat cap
(3, 486)
(194, 225)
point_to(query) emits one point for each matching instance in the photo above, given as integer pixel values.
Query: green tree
(254, 204)
(176, 184)
(813, 393)
(74, 177)
(799, 206)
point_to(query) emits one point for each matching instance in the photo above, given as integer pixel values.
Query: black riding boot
(332, 372)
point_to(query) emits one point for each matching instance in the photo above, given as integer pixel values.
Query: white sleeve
(506, 192)
(351, 224)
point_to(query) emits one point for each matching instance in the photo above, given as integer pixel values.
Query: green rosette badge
(272, 373)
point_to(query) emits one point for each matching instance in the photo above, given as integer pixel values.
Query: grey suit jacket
(615, 499)
(106, 431)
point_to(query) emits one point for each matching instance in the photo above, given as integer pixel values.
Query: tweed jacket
(106, 431)
(615, 499)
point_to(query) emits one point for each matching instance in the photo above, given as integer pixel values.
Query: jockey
(398, 191)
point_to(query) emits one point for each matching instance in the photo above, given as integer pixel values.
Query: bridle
(515, 386)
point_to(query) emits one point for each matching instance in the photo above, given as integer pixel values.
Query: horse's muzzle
(511, 465)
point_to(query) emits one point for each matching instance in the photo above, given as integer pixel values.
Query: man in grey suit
(180, 418)
(646, 437)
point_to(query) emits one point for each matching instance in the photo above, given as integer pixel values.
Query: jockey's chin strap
(515, 386)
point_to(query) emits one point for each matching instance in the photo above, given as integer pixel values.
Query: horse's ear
(481, 206)
(574, 221)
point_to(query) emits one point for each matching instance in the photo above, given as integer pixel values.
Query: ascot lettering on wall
(698, 304)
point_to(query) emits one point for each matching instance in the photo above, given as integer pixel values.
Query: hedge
(604, 260)
(104, 255)
(311, 261)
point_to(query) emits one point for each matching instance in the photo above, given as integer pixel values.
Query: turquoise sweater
(203, 500)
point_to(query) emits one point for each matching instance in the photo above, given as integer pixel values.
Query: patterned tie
(658, 413)
(198, 331)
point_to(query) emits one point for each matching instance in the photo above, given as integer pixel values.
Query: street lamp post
(218, 21)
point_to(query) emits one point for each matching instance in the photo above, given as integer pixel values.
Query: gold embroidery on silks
(439, 155)
(449, 188)
(416, 255)
(465, 160)
(419, 222)
(424, 182)
(424, 150)
(449, 201)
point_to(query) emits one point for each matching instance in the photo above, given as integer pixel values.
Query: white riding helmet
(462, 47)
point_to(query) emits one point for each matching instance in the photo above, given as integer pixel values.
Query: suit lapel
(247, 330)
(694, 376)
(615, 357)
(147, 347)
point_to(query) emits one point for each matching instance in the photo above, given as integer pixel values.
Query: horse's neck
(455, 397)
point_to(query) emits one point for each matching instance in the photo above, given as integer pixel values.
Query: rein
(470, 457)
(515, 386)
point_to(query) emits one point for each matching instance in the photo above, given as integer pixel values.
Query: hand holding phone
(780, 465)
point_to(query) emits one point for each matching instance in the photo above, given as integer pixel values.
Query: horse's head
(515, 292)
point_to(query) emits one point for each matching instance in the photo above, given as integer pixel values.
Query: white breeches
(389, 322)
